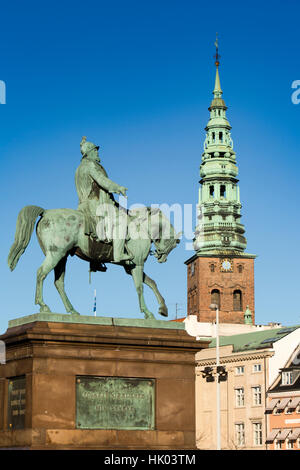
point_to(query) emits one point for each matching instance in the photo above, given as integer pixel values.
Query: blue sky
(136, 77)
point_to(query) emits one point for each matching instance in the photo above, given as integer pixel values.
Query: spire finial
(217, 91)
(217, 55)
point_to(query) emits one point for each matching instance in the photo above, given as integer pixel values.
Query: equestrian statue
(100, 231)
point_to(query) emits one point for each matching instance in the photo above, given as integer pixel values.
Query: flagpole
(95, 302)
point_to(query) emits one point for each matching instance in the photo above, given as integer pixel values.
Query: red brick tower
(220, 271)
(227, 280)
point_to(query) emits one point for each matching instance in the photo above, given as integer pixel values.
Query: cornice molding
(234, 358)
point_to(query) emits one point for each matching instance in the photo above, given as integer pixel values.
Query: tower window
(237, 301)
(212, 268)
(240, 268)
(213, 137)
(192, 269)
(223, 190)
(216, 297)
(211, 191)
(221, 136)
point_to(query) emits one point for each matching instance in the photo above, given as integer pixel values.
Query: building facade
(251, 362)
(220, 271)
(283, 407)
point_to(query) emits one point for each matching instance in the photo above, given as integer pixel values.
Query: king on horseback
(104, 219)
(96, 232)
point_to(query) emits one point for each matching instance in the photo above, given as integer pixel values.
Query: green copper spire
(217, 91)
(248, 316)
(219, 229)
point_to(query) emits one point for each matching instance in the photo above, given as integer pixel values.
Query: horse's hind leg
(51, 260)
(163, 309)
(59, 281)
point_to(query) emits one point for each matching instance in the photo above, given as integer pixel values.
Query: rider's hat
(86, 147)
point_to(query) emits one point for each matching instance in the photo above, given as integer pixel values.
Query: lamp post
(216, 308)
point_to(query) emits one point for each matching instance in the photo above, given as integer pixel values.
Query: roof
(284, 434)
(257, 340)
(271, 405)
(295, 434)
(294, 386)
(271, 436)
(289, 403)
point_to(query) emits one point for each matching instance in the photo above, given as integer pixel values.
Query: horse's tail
(25, 225)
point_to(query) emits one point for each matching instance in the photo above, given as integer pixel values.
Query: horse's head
(164, 246)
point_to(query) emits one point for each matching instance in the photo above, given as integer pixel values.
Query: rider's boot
(118, 251)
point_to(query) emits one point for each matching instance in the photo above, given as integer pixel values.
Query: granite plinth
(51, 352)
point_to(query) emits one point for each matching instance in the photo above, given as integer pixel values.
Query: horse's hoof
(73, 312)
(163, 311)
(149, 316)
(45, 309)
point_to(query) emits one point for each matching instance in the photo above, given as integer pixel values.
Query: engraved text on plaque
(114, 403)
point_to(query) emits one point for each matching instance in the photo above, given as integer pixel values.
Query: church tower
(220, 271)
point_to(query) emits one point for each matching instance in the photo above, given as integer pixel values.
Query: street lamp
(216, 308)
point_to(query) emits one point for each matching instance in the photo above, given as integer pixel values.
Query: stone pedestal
(48, 354)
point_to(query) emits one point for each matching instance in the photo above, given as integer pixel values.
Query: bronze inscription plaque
(16, 403)
(115, 403)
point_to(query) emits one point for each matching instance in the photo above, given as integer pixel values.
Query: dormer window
(287, 377)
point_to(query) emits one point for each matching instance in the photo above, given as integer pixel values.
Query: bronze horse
(61, 233)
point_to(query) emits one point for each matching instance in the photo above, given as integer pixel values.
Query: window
(276, 410)
(239, 397)
(256, 395)
(290, 444)
(237, 301)
(277, 445)
(257, 434)
(212, 268)
(223, 190)
(215, 297)
(288, 410)
(211, 191)
(221, 136)
(239, 370)
(192, 269)
(213, 137)
(287, 378)
(240, 434)
(240, 268)
(256, 367)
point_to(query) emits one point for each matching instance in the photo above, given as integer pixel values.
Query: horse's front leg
(163, 309)
(59, 281)
(137, 274)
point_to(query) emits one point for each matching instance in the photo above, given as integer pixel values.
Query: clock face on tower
(226, 265)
